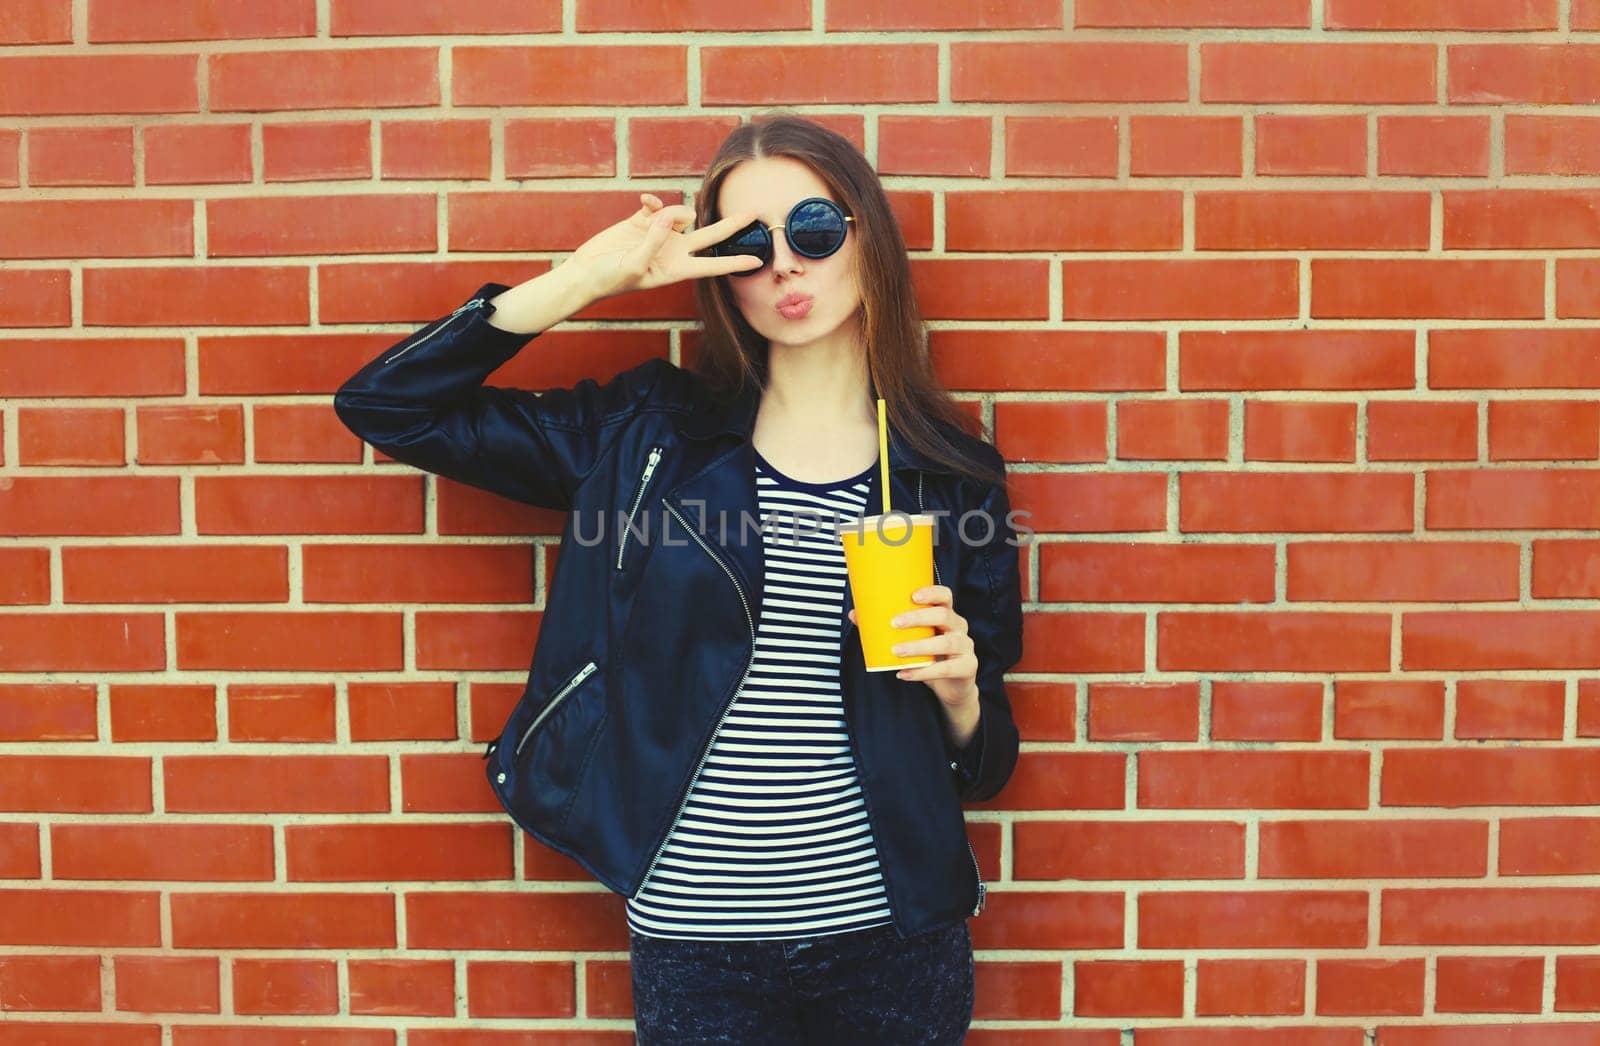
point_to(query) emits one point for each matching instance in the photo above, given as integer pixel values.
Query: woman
(783, 899)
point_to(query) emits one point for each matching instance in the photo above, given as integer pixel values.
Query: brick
(1034, 360)
(36, 22)
(119, 21)
(1192, 14)
(396, 292)
(308, 504)
(1526, 218)
(1276, 641)
(371, 573)
(50, 982)
(289, 641)
(472, 640)
(281, 713)
(202, 295)
(167, 984)
(1524, 74)
(299, 152)
(190, 434)
(1051, 431)
(960, 288)
(1025, 71)
(10, 159)
(159, 712)
(464, 17)
(45, 712)
(1292, 144)
(197, 154)
(1294, 220)
(282, 364)
(1253, 919)
(178, 851)
(1441, 15)
(1386, 987)
(1283, 431)
(1143, 713)
(25, 577)
(1526, 709)
(35, 298)
(833, 73)
(1537, 144)
(1300, 501)
(646, 16)
(324, 920)
(1319, 74)
(410, 711)
(96, 229)
(100, 367)
(1092, 572)
(74, 783)
(369, 78)
(1244, 711)
(311, 225)
(1417, 288)
(275, 986)
(1402, 571)
(105, 505)
(658, 146)
(1543, 430)
(1194, 429)
(1063, 220)
(56, 85)
(384, 853)
(80, 918)
(303, 432)
(1161, 146)
(1437, 146)
(597, 74)
(1253, 779)
(175, 574)
(80, 156)
(562, 147)
(1250, 987)
(70, 436)
(1374, 848)
(935, 146)
(436, 149)
(276, 783)
(412, 987)
(1264, 288)
(1514, 358)
(1500, 641)
(81, 642)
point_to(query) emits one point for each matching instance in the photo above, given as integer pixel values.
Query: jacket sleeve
(989, 593)
(422, 401)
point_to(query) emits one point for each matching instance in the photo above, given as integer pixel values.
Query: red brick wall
(1282, 310)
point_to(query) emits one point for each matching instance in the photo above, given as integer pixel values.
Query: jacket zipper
(473, 304)
(982, 887)
(726, 708)
(644, 481)
(572, 684)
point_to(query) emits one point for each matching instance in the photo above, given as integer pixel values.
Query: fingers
(716, 232)
(941, 617)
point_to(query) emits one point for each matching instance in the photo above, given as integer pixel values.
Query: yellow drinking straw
(883, 455)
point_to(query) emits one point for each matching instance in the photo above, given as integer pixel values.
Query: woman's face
(770, 186)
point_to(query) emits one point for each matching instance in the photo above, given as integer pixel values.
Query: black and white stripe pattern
(774, 840)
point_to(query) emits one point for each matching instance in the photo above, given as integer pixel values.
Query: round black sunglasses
(815, 228)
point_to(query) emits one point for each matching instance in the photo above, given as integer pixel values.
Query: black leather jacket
(644, 643)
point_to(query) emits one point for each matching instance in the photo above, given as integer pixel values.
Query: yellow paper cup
(886, 565)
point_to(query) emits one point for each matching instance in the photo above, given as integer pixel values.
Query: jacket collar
(738, 418)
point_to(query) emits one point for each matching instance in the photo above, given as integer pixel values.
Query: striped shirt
(773, 841)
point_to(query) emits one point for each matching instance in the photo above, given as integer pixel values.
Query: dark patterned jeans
(862, 986)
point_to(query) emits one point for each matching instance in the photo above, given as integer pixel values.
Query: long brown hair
(731, 353)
